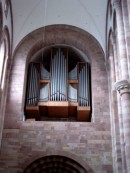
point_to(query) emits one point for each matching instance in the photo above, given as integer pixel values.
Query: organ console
(57, 90)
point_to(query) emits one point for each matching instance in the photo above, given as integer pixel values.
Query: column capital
(122, 86)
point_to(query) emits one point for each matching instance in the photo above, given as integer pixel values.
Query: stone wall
(25, 141)
(87, 143)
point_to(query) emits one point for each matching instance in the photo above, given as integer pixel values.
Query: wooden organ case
(57, 90)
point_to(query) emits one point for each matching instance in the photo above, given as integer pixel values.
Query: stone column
(123, 87)
(119, 108)
(125, 11)
(121, 41)
(128, 5)
(115, 120)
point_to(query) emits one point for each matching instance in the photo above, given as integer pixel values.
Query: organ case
(57, 91)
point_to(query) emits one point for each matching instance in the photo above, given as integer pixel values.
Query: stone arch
(73, 37)
(6, 63)
(77, 161)
(55, 163)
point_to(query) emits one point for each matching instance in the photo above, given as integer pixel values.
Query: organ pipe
(83, 90)
(57, 88)
(58, 76)
(33, 88)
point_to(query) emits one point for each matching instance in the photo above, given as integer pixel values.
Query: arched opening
(55, 164)
(59, 85)
(67, 35)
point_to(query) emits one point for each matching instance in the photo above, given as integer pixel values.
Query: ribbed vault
(55, 164)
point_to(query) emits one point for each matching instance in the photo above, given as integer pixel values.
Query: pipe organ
(58, 90)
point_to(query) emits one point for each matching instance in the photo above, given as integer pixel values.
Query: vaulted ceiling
(90, 15)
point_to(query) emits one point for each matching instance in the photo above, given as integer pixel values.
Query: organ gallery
(58, 86)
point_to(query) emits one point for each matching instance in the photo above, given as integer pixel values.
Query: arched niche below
(54, 164)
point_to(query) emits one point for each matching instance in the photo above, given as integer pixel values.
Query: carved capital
(122, 86)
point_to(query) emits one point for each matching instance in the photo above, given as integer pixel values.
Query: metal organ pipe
(33, 84)
(79, 87)
(60, 64)
(65, 81)
(61, 89)
(29, 88)
(58, 76)
(33, 90)
(87, 84)
(58, 80)
(84, 85)
(54, 79)
(31, 97)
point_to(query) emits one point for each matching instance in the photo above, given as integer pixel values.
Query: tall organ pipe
(87, 84)
(35, 74)
(32, 92)
(83, 89)
(51, 84)
(65, 81)
(32, 82)
(83, 86)
(61, 77)
(79, 88)
(53, 77)
(58, 80)
(31, 86)
(88, 90)
(56, 71)
(58, 76)
(29, 89)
